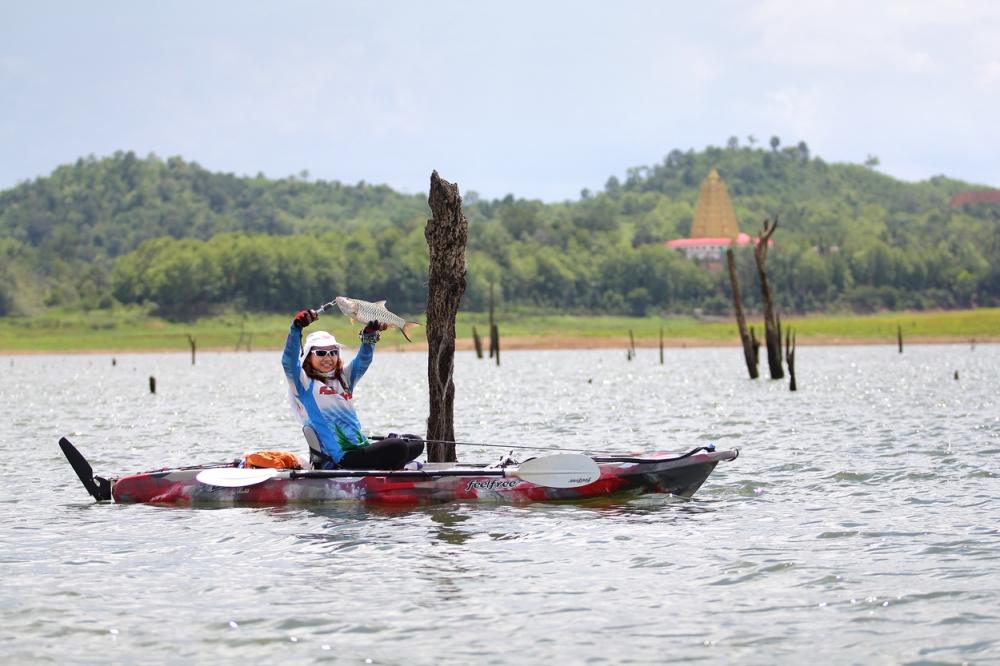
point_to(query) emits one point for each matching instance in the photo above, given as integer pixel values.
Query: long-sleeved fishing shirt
(326, 406)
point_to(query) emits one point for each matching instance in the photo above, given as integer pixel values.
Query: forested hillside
(185, 241)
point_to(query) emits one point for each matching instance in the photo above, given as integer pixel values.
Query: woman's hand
(370, 333)
(304, 318)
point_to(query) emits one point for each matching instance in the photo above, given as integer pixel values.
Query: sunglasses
(323, 352)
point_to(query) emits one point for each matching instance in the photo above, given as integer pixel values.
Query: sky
(539, 99)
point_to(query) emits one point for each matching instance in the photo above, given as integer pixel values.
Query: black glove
(370, 333)
(305, 317)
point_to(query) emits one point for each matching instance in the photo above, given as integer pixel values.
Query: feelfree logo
(491, 484)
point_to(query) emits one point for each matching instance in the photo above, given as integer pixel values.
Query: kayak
(561, 476)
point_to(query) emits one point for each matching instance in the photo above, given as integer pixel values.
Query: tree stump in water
(790, 359)
(749, 355)
(477, 342)
(772, 332)
(446, 233)
(495, 343)
(492, 341)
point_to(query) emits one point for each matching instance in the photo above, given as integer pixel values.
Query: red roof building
(976, 197)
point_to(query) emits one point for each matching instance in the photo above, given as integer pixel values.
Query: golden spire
(713, 215)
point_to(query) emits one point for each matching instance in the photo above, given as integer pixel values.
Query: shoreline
(118, 332)
(550, 343)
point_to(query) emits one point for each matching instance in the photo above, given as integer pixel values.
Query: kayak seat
(316, 455)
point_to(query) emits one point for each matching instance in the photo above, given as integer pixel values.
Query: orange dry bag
(273, 459)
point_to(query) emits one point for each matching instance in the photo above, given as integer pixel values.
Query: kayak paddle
(564, 470)
(98, 487)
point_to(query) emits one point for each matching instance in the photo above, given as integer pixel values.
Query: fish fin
(352, 320)
(406, 329)
(379, 304)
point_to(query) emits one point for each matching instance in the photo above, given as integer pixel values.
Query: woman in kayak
(321, 391)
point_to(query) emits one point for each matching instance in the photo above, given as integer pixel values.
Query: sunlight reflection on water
(859, 520)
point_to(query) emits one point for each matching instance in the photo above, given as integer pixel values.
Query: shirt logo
(326, 390)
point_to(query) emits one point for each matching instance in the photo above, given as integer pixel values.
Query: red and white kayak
(553, 477)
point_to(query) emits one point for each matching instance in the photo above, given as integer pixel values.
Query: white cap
(318, 339)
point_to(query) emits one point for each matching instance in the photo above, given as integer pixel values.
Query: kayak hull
(435, 483)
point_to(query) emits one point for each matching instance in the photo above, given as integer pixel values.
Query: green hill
(184, 241)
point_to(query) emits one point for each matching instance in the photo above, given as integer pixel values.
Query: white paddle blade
(563, 470)
(235, 477)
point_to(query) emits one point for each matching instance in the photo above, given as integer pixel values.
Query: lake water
(860, 524)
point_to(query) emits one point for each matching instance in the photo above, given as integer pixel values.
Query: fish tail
(406, 329)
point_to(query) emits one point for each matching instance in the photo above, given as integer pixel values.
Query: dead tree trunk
(495, 343)
(790, 359)
(772, 335)
(477, 342)
(446, 233)
(492, 324)
(194, 347)
(741, 321)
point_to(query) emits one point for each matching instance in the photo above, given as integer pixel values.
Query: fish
(364, 311)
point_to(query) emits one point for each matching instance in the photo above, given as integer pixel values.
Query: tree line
(186, 241)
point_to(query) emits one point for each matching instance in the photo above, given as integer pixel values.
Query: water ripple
(860, 519)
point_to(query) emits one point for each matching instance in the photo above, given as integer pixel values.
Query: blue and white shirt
(326, 406)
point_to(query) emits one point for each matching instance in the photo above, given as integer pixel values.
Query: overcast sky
(538, 99)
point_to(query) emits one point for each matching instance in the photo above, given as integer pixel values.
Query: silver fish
(364, 311)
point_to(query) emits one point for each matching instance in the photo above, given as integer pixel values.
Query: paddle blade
(563, 470)
(235, 477)
(81, 467)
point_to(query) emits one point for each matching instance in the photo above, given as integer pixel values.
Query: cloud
(802, 111)
(856, 36)
(990, 76)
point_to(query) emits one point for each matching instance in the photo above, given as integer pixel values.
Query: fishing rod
(608, 459)
(499, 446)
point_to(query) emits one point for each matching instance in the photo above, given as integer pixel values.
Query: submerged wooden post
(477, 342)
(749, 355)
(661, 345)
(772, 333)
(631, 344)
(193, 347)
(446, 233)
(790, 359)
(899, 338)
(152, 384)
(495, 343)
(755, 343)
(492, 339)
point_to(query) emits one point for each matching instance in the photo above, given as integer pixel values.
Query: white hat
(318, 339)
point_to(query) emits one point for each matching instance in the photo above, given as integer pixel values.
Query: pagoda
(714, 227)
